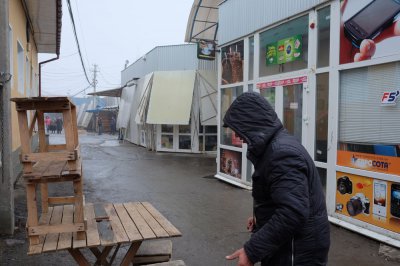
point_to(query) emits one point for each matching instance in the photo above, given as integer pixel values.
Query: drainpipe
(40, 72)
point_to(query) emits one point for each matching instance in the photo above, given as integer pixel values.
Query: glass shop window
(251, 58)
(284, 48)
(321, 118)
(324, 27)
(228, 95)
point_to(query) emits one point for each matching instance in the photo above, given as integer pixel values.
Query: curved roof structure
(203, 21)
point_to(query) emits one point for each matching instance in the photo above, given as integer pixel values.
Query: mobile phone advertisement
(369, 29)
(370, 200)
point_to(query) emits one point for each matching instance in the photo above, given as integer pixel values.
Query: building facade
(331, 70)
(27, 28)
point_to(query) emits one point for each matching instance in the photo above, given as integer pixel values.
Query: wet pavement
(210, 214)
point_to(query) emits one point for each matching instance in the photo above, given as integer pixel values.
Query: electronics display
(379, 206)
(344, 185)
(395, 200)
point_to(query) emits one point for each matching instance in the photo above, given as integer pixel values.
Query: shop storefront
(331, 70)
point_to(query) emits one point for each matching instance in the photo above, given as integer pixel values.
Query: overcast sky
(111, 32)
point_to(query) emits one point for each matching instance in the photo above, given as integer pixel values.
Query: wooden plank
(33, 122)
(65, 240)
(116, 225)
(62, 200)
(78, 257)
(74, 125)
(130, 254)
(139, 221)
(58, 147)
(100, 212)
(69, 136)
(42, 132)
(93, 238)
(171, 230)
(43, 106)
(48, 156)
(51, 240)
(38, 169)
(104, 227)
(154, 225)
(44, 194)
(129, 226)
(78, 214)
(32, 211)
(44, 220)
(56, 228)
(55, 169)
(25, 139)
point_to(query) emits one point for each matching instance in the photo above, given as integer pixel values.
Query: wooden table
(108, 226)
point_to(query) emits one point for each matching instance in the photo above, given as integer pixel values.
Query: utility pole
(6, 175)
(94, 85)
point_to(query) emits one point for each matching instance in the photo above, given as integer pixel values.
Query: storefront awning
(203, 21)
(171, 97)
(109, 93)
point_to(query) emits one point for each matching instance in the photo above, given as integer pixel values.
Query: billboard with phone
(369, 29)
(370, 200)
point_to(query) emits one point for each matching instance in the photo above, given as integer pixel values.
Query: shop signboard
(206, 50)
(369, 162)
(370, 200)
(282, 82)
(232, 63)
(369, 29)
(231, 163)
(285, 50)
(390, 97)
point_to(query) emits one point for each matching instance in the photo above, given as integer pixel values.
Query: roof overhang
(109, 93)
(203, 21)
(45, 23)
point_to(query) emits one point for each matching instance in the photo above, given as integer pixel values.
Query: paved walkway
(210, 214)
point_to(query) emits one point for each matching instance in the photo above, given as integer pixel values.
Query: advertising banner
(232, 63)
(285, 50)
(231, 163)
(206, 50)
(369, 162)
(369, 29)
(370, 200)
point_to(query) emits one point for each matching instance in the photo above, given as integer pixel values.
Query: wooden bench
(153, 251)
(170, 263)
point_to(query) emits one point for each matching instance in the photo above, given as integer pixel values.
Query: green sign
(284, 51)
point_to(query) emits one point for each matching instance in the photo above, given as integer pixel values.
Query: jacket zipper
(293, 251)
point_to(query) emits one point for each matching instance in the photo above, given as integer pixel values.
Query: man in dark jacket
(291, 223)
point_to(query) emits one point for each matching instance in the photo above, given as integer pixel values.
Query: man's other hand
(240, 254)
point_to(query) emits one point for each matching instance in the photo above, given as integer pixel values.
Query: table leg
(78, 257)
(127, 260)
(114, 254)
(101, 256)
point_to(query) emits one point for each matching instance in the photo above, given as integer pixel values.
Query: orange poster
(370, 200)
(369, 162)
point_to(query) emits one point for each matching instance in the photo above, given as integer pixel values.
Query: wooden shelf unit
(52, 163)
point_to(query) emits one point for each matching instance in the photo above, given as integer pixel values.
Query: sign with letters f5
(390, 97)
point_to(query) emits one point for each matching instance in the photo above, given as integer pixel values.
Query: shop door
(288, 100)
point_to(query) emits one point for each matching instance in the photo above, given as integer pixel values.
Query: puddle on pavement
(110, 143)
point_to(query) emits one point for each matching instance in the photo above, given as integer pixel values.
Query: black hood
(254, 120)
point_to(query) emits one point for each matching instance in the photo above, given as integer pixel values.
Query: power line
(77, 41)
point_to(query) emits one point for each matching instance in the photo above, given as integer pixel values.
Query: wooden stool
(53, 163)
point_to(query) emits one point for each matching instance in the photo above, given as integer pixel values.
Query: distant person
(47, 123)
(53, 126)
(113, 125)
(290, 222)
(100, 125)
(59, 125)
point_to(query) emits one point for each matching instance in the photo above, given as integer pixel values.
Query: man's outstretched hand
(240, 254)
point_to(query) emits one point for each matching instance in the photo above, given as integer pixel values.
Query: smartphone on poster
(370, 21)
(380, 191)
(395, 200)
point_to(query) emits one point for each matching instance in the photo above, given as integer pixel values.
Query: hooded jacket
(292, 226)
